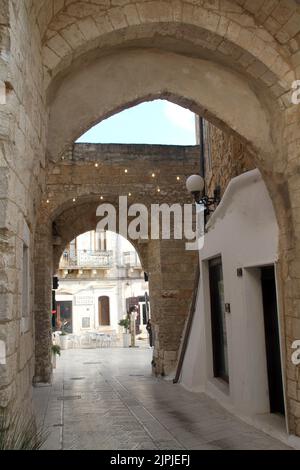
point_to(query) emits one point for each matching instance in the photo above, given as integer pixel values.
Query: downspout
(191, 315)
(188, 326)
(202, 149)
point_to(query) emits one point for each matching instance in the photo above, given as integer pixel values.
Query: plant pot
(54, 361)
(63, 341)
(126, 340)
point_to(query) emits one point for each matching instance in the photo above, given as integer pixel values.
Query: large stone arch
(73, 193)
(91, 95)
(75, 221)
(77, 27)
(242, 45)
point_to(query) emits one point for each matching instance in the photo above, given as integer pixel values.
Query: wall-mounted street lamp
(196, 186)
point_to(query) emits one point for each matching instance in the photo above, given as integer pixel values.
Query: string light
(96, 165)
(74, 200)
(178, 178)
(101, 198)
(129, 194)
(126, 171)
(158, 190)
(48, 202)
(153, 175)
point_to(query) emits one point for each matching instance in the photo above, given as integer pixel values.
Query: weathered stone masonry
(69, 64)
(171, 268)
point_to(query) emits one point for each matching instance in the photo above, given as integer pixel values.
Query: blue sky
(154, 122)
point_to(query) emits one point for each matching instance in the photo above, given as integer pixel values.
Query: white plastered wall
(244, 232)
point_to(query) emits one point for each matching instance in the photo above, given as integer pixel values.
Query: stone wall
(225, 158)
(22, 156)
(247, 56)
(89, 175)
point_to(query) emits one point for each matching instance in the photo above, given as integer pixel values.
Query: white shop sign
(87, 300)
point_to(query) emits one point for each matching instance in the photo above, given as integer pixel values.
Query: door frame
(217, 347)
(100, 299)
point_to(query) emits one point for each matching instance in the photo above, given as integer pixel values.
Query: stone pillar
(43, 299)
(289, 283)
(172, 272)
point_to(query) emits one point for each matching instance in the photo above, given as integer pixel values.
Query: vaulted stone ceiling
(281, 18)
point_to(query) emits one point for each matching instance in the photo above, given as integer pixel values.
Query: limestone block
(6, 306)
(9, 370)
(26, 349)
(117, 18)
(7, 395)
(292, 26)
(295, 408)
(50, 58)
(10, 334)
(292, 389)
(59, 45)
(131, 13)
(170, 355)
(88, 28)
(73, 35)
(80, 10)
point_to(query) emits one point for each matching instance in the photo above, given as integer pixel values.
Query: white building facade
(234, 352)
(100, 276)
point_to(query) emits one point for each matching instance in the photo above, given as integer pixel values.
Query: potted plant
(55, 352)
(125, 323)
(63, 339)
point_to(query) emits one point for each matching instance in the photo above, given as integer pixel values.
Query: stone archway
(262, 134)
(70, 209)
(258, 42)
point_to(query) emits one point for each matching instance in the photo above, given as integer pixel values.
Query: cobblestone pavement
(108, 399)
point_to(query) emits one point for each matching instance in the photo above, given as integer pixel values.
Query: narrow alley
(107, 399)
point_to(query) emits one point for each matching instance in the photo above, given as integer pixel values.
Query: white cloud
(180, 117)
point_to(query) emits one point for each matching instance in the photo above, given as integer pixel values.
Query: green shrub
(56, 349)
(18, 434)
(125, 323)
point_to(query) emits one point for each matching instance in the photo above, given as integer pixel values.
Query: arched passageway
(72, 209)
(233, 63)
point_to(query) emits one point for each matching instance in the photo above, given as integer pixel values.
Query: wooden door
(104, 311)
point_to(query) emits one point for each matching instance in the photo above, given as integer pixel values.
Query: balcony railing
(131, 259)
(86, 259)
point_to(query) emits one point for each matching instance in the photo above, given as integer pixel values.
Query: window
(102, 242)
(25, 282)
(2, 353)
(206, 144)
(86, 322)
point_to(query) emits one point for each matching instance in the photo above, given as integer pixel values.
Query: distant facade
(100, 274)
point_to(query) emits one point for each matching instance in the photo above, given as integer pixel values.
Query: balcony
(86, 259)
(131, 260)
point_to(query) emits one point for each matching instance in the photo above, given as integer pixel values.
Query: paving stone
(130, 413)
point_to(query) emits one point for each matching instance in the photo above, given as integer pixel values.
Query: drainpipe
(190, 319)
(188, 328)
(202, 147)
